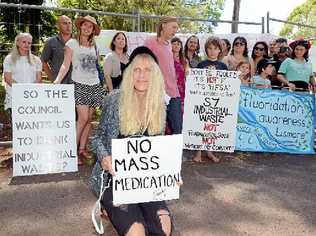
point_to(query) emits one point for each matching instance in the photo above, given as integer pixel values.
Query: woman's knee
(136, 229)
(83, 119)
(165, 221)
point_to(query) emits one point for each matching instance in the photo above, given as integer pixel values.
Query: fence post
(268, 22)
(138, 20)
(133, 21)
(262, 25)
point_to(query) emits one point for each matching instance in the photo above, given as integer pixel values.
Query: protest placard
(210, 110)
(146, 169)
(275, 121)
(43, 124)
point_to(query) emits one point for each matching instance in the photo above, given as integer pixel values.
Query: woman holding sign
(20, 66)
(297, 72)
(138, 109)
(81, 52)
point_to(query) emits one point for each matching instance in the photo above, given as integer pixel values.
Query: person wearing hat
(136, 109)
(265, 68)
(161, 47)
(297, 71)
(81, 52)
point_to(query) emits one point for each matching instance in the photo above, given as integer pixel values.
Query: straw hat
(92, 20)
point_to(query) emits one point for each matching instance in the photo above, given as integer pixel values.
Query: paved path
(244, 195)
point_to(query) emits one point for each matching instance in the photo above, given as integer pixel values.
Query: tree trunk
(235, 15)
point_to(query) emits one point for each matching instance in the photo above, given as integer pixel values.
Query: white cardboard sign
(210, 110)
(146, 169)
(43, 124)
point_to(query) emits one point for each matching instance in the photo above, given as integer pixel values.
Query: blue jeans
(174, 115)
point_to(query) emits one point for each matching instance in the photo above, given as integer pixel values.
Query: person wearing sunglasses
(260, 50)
(238, 53)
(296, 72)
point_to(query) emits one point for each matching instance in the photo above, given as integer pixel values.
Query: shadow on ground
(257, 194)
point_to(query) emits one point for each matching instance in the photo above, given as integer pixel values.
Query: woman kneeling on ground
(137, 109)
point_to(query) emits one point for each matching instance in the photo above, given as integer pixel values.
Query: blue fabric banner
(275, 121)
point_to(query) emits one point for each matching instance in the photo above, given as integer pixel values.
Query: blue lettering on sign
(275, 121)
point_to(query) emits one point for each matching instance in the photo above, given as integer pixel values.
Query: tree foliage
(303, 14)
(203, 9)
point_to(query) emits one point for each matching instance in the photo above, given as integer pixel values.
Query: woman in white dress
(20, 66)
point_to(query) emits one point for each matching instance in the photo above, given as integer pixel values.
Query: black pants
(124, 216)
(174, 115)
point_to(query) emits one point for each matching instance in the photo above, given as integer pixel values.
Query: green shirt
(295, 70)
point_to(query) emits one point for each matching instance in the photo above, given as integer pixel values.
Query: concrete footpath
(257, 194)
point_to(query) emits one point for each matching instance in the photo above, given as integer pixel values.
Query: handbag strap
(96, 52)
(97, 206)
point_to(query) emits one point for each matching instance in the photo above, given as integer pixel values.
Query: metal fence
(137, 17)
(269, 19)
(137, 21)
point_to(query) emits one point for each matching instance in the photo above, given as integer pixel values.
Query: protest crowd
(142, 94)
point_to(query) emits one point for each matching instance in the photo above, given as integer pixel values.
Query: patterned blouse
(180, 80)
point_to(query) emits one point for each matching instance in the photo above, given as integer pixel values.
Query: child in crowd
(245, 73)
(213, 51)
(265, 68)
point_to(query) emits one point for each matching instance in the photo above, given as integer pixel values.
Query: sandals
(85, 157)
(82, 152)
(80, 161)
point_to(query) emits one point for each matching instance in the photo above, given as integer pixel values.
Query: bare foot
(197, 157)
(212, 157)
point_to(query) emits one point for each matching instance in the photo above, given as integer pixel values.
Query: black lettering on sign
(30, 94)
(118, 163)
(56, 93)
(144, 146)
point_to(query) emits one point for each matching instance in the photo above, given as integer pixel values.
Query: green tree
(206, 9)
(303, 14)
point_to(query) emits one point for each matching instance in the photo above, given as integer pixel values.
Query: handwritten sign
(275, 121)
(210, 110)
(43, 123)
(146, 169)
